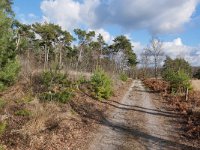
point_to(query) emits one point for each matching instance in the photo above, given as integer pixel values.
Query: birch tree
(155, 51)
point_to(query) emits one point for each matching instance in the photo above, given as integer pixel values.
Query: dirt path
(137, 122)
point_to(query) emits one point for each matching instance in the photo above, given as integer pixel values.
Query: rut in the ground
(136, 123)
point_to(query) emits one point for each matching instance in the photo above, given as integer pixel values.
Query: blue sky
(176, 23)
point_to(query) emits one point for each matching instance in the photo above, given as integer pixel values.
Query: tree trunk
(186, 95)
(18, 42)
(60, 58)
(79, 58)
(45, 59)
(156, 68)
(48, 58)
(60, 62)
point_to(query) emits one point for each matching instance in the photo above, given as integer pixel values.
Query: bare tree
(155, 51)
(144, 61)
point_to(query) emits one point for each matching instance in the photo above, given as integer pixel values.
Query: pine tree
(9, 67)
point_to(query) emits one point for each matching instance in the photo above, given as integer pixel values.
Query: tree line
(46, 46)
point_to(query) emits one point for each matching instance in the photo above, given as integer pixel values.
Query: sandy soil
(138, 122)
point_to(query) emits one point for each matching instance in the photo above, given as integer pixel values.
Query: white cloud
(161, 16)
(156, 16)
(63, 12)
(106, 35)
(69, 13)
(175, 48)
(28, 19)
(138, 48)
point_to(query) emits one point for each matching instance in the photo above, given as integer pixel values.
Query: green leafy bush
(123, 76)
(101, 84)
(177, 72)
(179, 81)
(57, 87)
(8, 74)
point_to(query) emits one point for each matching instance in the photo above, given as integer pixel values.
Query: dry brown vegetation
(32, 124)
(189, 110)
(196, 85)
(157, 85)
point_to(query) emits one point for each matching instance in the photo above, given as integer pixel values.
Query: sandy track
(137, 122)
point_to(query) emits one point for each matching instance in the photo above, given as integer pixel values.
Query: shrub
(177, 72)
(50, 78)
(2, 103)
(101, 84)
(9, 66)
(8, 74)
(57, 87)
(176, 65)
(1, 147)
(23, 112)
(81, 79)
(179, 81)
(27, 98)
(123, 76)
(2, 127)
(63, 96)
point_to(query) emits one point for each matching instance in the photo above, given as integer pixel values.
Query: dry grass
(196, 85)
(51, 125)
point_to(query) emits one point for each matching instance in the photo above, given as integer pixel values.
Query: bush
(9, 66)
(62, 97)
(2, 103)
(101, 84)
(123, 76)
(81, 79)
(50, 78)
(177, 72)
(8, 74)
(179, 81)
(1, 147)
(57, 87)
(3, 126)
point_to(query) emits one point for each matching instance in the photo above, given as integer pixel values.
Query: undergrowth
(2, 103)
(101, 84)
(123, 76)
(3, 126)
(23, 112)
(57, 87)
(190, 114)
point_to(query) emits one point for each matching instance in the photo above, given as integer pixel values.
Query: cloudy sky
(175, 22)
